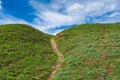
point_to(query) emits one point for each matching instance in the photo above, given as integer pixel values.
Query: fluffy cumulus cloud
(59, 13)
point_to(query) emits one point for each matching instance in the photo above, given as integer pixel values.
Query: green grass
(25, 53)
(91, 51)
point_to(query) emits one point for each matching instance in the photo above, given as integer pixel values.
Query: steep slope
(91, 52)
(25, 53)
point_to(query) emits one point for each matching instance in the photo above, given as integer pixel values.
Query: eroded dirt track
(60, 59)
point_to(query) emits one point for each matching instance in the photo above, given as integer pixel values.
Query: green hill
(25, 53)
(91, 52)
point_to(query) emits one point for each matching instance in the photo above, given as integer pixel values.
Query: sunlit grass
(91, 51)
(25, 53)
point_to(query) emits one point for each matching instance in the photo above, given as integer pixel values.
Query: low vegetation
(25, 53)
(91, 52)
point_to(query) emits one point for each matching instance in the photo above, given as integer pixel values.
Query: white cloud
(94, 6)
(59, 13)
(65, 12)
(74, 7)
(6, 19)
(115, 14)
(0, 4)
(55, 18)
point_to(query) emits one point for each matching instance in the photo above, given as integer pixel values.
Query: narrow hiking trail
(60, 59)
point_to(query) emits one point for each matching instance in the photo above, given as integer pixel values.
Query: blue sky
(53, 16)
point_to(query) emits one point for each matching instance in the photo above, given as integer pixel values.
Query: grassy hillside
(25, 53)
(91, 51)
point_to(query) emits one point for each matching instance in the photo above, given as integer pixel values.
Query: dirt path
(60, 59)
